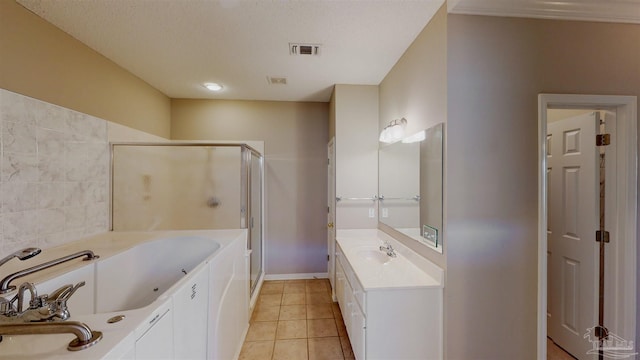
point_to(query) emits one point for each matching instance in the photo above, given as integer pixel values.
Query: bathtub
(153, 280)
(139, 283)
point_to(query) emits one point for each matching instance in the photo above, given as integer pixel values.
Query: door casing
(626, 200)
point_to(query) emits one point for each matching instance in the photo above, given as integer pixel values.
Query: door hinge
(602, 236)
(603, 139)
(328, 257)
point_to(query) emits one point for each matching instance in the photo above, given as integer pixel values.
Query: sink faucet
(5, 286)
(387, 248)
(23, 254)
(44, 316)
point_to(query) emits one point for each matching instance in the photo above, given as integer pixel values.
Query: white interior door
(572, 221)
(331, 211)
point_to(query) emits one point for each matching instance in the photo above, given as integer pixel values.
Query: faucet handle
(65, 292)
(6, 307)
(59, 298)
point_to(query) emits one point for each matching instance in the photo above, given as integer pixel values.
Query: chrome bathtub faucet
(41, 308)
(46, 314)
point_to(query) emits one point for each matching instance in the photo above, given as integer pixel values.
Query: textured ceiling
(177, 45)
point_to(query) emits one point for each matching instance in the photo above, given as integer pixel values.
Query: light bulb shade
(384, 136)
(394, 131)
(397, 132)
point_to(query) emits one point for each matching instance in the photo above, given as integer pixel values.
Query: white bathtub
(140, 276)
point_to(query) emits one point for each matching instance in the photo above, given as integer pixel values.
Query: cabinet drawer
(358, 291)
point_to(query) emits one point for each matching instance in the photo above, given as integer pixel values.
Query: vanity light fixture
(213, 86)
(394, 131)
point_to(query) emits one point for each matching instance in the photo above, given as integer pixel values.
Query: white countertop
(407, 270)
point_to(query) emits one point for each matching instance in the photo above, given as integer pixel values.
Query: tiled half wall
(54, 174)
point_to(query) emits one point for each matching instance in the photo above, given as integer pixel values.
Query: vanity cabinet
(402, 322)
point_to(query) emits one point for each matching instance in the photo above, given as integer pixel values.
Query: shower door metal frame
(246, 177)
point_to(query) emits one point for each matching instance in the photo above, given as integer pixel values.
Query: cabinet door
(358, 332)
(157, 342)
(339, 287)
(190, 317)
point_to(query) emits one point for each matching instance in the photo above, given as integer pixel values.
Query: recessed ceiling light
(213, 86)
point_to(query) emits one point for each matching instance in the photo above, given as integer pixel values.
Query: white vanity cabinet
(190, 309)
(388, 322)
(352, 312)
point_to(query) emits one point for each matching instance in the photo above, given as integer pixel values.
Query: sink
(374, 256)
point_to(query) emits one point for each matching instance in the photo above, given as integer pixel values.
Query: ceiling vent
(277, 80)
(304, 49)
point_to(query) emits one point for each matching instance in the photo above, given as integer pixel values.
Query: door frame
(626, 199)
(331, 215)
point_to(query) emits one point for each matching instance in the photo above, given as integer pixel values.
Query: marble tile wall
(54, 174)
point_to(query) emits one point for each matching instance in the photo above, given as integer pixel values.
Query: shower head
(23, 254)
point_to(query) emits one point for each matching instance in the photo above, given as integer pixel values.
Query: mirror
(410, 186)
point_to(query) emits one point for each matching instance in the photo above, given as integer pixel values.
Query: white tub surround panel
(378, 293)
(193, 302)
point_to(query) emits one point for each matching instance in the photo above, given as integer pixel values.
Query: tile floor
(296, 320)
(555, 352)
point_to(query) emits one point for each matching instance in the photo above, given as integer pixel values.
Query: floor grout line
(279, 289)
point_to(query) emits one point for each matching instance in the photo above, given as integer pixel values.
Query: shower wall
(176, 187)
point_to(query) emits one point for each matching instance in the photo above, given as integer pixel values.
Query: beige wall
(416, 89)
(41, 61)
(296, 137)
(356, 117)
(332, 115)
(482, 75)
(496, 69)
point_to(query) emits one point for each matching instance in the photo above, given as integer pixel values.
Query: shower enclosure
(189, 186)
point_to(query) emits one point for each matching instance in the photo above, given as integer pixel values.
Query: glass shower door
(255, 219)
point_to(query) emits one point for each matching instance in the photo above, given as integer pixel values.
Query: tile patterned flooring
(296, 320)
(555, 352)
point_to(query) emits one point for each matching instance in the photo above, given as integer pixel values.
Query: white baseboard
(296, 276)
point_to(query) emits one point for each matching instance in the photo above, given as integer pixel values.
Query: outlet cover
(385, 212)
(372, 212)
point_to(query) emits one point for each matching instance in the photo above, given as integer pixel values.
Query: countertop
(407, 270)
